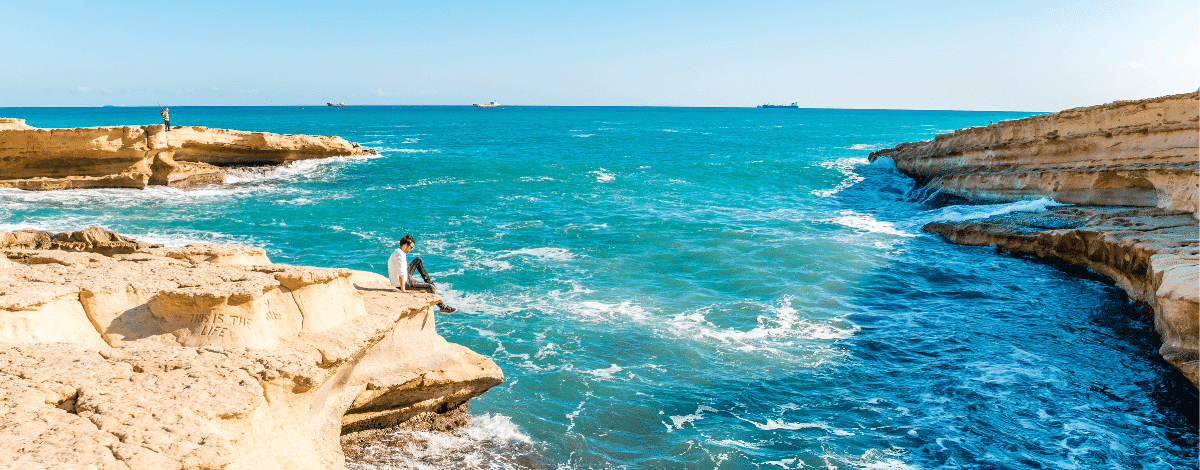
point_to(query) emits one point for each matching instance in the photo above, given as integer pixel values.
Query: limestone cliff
(138, 156)
(209, 356)
(1135, 165)
(1128, 153)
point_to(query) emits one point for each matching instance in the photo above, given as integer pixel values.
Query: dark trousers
(417, 266)
(167, 123)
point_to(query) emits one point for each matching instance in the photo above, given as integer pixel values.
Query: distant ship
(336, 104)
(793, 105)
(493, 104)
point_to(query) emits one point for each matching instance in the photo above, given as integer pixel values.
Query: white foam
(602, 176)
(300, 201)
(519, 197)
(866, 146)
(677, 422)
(168, 237)
(606, 374)
(559, 254)
(602, 311)
(485, 442)
(771, 425)
(784, 326)
(430, 182)
(296, 170)
(186, 237)
(536, 178)
(584, 135)
(961, 213)
(847, 167)
(868, 223)
(886, 163)
(408, 150)
(736, 443)
(493, 427)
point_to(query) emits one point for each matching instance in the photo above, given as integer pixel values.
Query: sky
(964, 55)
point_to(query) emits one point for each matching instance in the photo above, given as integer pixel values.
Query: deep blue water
(690, 287)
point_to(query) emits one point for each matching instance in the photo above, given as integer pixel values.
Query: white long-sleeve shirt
(398, 268)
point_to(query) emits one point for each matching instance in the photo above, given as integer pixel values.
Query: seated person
(400, 272)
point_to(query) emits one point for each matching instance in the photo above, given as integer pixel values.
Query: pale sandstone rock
(95, 240)
(192, 358)
(137, 156)
(1128, 153)
(213, 253)
(12, 123)
(1139, 154)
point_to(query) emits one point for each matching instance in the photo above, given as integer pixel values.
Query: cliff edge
(118, 354)
(1128, 153)
(138, 156)
(1132, 168)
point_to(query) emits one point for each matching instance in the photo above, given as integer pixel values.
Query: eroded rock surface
(1136, 162)
(137, 156)
(209, 356)
(1152, 253)
(1128, 153)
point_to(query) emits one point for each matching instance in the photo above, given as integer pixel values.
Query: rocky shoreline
(139, 156)
(119, 354)
(1132, 168)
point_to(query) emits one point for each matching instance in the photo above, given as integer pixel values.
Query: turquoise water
(689, 288)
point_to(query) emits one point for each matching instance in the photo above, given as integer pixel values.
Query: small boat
(793, 105)
(493, 104)
(336, 104)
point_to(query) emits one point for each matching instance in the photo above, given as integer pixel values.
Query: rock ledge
(1133, 167)
(138, 156)
(117, 354)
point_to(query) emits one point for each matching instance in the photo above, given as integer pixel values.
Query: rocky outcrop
(1134, 165)
(1128, 153)
(137, 156)
(95, 240)
(1152, 253)
(209, 356)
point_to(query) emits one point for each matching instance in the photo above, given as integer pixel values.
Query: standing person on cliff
(166, 117)
(400, 271)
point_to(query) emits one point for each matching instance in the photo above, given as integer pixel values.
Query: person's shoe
(446, 308)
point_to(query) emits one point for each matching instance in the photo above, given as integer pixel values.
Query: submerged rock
(209, 356)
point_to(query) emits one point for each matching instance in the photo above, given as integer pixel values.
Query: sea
(688, 288)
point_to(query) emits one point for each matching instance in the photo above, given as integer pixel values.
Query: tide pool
(689, 287)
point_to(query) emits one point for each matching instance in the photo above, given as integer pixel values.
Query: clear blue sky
(1002, 55)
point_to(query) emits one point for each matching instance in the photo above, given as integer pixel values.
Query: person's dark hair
(408, 240)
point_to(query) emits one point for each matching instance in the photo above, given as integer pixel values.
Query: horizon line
(509, 105)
